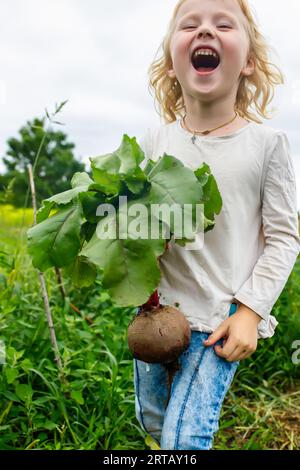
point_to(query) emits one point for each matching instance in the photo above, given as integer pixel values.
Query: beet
(159, 334)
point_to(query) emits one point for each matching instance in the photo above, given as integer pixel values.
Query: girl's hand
(240, 333)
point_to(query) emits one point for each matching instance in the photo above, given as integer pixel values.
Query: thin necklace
(208, 131)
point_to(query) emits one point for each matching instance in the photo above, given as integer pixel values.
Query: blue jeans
(191, 417)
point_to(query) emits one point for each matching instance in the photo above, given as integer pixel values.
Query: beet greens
(67, 223)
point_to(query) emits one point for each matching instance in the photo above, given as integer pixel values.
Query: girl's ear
(249, 67)
(171, 73)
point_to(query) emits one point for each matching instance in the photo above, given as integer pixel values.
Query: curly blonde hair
(255, 90)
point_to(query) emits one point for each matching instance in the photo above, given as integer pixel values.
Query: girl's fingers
(237, 353)
(218, 334)
(244, 355)
(227, 351)
(236, 356)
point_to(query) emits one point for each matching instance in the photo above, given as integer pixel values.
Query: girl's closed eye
(220, 26)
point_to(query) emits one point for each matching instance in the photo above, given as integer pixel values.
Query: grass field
(94, 407)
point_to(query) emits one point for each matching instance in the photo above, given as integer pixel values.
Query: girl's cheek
(233, 47)
(181, 51)
(232, 53)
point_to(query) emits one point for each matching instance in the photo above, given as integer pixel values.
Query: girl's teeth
(203, 52)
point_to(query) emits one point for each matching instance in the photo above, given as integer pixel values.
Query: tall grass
(95, 408)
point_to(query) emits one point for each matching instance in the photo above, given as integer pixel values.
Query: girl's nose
(205, 31)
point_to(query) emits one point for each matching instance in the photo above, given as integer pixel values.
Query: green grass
(94, 408)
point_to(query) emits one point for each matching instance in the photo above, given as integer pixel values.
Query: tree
(54, 169)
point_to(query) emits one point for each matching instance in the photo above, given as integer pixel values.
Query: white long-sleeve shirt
(249, 254)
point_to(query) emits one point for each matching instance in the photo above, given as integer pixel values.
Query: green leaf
(137, 225)
(10, 396)
(213, 202)
(87, 231)
(24, 392)
(149, 166)
(49, 425)
(44, 211)
(11, 374)
(80, 184)
(130, 267)
(56, 241)
(175, 185)
(13, 355)
(82, 272)
(215, 199)
(202, 174)
(26, 364)
(90, 202)
(125, 160)
(60, 106)
(150, 442)
(77, 396)
(107, 184)
(81, 180)
(135, 186)
(211, 195)
(109, 171)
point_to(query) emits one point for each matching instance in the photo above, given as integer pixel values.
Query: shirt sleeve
(281, 232)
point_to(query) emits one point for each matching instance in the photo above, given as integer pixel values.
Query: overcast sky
(96, 54)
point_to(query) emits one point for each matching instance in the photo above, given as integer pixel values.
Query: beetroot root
(159, 335)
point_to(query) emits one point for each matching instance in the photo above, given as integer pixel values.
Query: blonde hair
(255, 90)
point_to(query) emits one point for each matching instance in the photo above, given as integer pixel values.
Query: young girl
(215, 67)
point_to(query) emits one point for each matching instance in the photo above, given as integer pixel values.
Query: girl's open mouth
(205, 61)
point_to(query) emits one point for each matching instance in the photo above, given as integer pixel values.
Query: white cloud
(3, 93)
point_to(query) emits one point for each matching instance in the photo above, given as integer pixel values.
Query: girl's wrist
(243, 309)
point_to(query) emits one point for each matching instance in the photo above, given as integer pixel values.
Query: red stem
(153, 300)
